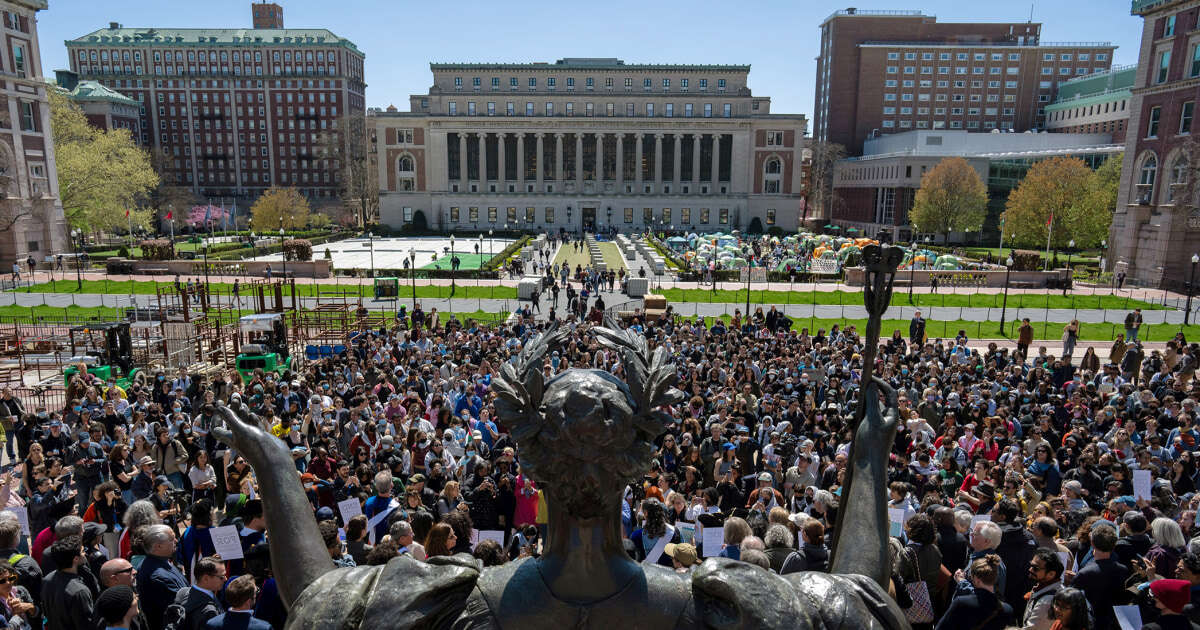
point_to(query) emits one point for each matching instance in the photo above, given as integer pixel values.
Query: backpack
(178, 617)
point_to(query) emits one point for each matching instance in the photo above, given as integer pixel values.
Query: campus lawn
(360, 287)
(900, 298)
(1090, 256)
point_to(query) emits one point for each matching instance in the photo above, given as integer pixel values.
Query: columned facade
(593, 166)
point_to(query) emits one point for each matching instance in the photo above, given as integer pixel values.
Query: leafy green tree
(280, 207)
(952, 198)
(1090, 225)
(1057, 187)
(101, 174)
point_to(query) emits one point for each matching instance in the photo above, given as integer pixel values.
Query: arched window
(1145, 187)
(1179, 177)
(406, 164)
(773, 175)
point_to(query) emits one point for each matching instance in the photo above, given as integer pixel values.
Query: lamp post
(1187, 313)
(78, 240)
(204, 250)
(491, 255)
(283, 250)
(452, 266)
(1004, 310)
(412, 274)
(912, 269)
(371, 244)
(610, 227)
(1070, 275)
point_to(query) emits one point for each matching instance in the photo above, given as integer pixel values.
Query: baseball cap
(765, 476)
(325, 514)
(685, 553)
(728, 446)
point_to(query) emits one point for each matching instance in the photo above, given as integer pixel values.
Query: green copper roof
(1116, 79)
(93, 91)
(213, 36)
(1083, 101)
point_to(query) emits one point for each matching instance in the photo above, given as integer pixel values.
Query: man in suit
(240, 595)
(200, 601)
(157, 579)
(1103, 580)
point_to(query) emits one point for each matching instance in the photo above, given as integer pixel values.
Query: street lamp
(78, 240)
(1004, 310)
(452, 266)
(412, 273)
(204, 250)
(1067, 283)
(371, 244)
(912, 269)
(491, 240)
(283, 251)
(1187, 313)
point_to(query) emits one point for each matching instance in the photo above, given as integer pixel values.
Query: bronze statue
(584, 435)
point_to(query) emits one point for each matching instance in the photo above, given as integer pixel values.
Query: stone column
(483, 174)
(676, 162)
(696, 159)
(521, 162)
(620, 162)
(462, 160)
(599, 158)
(578, 163)
(658, 163)
(640, 158)
(501, 161)
(716, 162)
(541, 168)
(558, 159)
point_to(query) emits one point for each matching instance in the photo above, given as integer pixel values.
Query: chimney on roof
(66, 79)
(851, 10)
(267, 15)
(114, 25)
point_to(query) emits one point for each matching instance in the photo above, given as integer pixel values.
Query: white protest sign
(226, 542)
(1141, 484)
(895, 522)
(22, 516)
(687, 531)
(349, 509)
(979, 518)
(712, 541)
(491, 534)
(1128, 617)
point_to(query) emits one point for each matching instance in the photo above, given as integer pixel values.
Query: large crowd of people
(1018, 484)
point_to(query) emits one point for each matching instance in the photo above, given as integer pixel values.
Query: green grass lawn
(900, 298)
(610, 251)
(464, 289)
(1091, 256)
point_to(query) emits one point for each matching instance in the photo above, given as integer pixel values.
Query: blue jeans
(1131, 334)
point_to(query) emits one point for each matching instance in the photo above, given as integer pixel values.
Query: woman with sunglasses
(15, 602)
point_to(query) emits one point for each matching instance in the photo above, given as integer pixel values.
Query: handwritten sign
(226, 542)
(491, 534)
(1141, 484)
(687, 531)
(713, 540)
(349, 509)
(895, 522)
(22, 516)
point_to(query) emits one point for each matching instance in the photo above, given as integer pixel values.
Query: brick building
(881, 72)
(1097, 103)
(588, 144)
(103, 108)
(31, 213)
(1156, 225)
(234, 111)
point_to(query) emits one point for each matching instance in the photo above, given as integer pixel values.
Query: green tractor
(265, 345)
(107, 353)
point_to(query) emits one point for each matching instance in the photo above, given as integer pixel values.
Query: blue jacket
(157, 581)
(237, 621)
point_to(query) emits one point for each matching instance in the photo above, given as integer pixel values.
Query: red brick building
(235, 111)
(1156, 225)
(881, 72)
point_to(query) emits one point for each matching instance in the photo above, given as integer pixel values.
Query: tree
(279, 207)
(1055, 187)
(347, 148)
(952, 198)
(203, 216)
(821, 199)
(1091, 226)
(169, 196)
(101, 173)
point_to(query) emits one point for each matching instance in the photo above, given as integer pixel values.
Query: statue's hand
(245, 432)
(878, 428)
(731, 595)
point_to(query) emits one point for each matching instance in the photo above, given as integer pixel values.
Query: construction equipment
(107, 352)
(265, 347)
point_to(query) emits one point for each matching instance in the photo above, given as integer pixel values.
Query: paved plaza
(391, 253)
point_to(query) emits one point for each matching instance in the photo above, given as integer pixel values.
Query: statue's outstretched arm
(298, 556)
(863, 537)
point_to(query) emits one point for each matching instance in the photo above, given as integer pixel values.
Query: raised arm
(298, 555)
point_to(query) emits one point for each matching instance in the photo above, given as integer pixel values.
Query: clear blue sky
(778, 38)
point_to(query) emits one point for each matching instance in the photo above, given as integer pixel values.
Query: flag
(169, 213)
(1050, 220)
(126, 213)
(207, 213)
